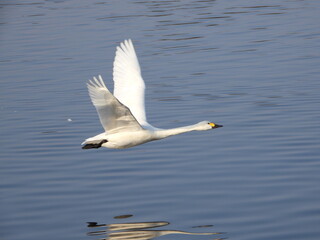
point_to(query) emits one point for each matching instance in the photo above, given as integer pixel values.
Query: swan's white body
(122, 114)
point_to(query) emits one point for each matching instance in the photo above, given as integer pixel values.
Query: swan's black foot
(94, 145)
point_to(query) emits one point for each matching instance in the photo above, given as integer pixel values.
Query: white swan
(122, 114)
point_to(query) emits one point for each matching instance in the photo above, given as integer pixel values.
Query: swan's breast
(128, 139)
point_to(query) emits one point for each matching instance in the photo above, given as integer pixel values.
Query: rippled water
(252, 66)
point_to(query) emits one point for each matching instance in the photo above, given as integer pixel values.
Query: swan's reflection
(136, 231)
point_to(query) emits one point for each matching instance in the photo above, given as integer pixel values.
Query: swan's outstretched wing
(128, 83)
(114, 116)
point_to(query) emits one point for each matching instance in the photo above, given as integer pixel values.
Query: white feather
(114, 116)
(129, 86)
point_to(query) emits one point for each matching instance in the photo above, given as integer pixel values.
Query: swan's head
(206, 125)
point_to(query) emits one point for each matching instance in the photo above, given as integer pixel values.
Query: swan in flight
(122, 114)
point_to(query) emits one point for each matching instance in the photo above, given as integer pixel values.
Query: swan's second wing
(128, 83)
(114, 116)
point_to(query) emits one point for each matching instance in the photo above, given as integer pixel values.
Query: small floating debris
(203, 226)
(123, 216)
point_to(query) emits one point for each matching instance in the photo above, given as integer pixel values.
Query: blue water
(253, 66)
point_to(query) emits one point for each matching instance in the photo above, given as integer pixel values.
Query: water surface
(251, 66)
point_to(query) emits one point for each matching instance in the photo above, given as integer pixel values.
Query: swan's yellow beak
(213, 125)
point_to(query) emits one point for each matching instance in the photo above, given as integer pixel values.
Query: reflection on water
(138, 230)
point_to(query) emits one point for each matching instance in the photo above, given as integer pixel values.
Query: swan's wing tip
(96, 82)
(98, 91)
(128, 40)
(126, 46)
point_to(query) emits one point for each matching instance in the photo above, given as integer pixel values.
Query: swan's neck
(163, 133)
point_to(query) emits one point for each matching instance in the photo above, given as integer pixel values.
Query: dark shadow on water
(139, 230)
